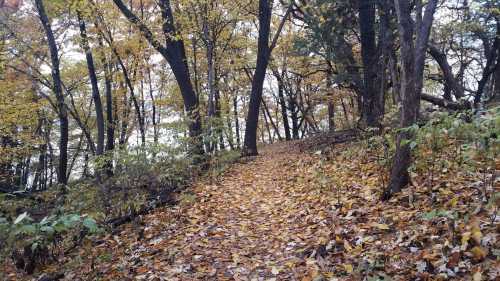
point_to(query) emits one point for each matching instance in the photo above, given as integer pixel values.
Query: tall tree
(174, 53)
(94, 83)
(263, 52)
(412, 72)
(371, 55)
(58, 92)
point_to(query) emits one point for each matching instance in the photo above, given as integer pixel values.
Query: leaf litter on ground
(292, 215)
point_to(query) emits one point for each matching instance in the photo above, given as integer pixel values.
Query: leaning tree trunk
(95, 87)
(174, 53)
(263, 52)
(58, 91)
(412, 65)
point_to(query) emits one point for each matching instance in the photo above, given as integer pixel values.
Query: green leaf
(28, 229)
(21, 217)
(47, 229)
(90, 224)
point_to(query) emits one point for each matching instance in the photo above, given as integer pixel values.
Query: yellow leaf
(476, 233)
(478, 253)
(465, 239)
(347, 246)
(348, 268)
(453, 202)
(381, 226)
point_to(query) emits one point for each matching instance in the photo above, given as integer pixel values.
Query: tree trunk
(268, 113)
(236, 121)
(211, 108)
(490, 67)
(58, 91)
(295, 118)
(496, 82)
(371, 113)
(450, 81)
(412, 62)
(266, 123)
(174, 53)
(395, 79)
(110, 122)
(331, 105)
(153, 109)
(263, 52)
(95, 87)
(133, 98)
(282, 103)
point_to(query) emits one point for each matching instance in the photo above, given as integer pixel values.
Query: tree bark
(282, 102)
(412, 62)
(371, 113)
(95, 87)
(275, 127)
(236, 121)
(174, 53)
(58, 91)
(490, 67)
(331, 104)
(496, 82)
(295, 118)
(450, 80)
(110, 122)
(263, 53)
(445, 103)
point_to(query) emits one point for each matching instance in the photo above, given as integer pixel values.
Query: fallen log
(117, 221)
(17, 194)
(445, 103)
(324, 140)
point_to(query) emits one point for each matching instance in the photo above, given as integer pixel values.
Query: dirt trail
(250, 224)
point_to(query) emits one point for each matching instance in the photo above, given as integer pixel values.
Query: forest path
(258, 221)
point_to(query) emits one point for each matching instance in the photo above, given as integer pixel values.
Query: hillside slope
(291, 215)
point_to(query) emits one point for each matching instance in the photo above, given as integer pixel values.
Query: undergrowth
(38, 228)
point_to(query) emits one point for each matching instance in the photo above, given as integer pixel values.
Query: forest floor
(293, 215)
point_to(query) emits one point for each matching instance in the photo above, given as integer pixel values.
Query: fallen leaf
(348, 268)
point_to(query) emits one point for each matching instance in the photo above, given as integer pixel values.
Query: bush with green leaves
(463, 141)
(30, 243)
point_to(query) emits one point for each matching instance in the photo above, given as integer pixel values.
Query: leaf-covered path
(251, 223)
(291, 215)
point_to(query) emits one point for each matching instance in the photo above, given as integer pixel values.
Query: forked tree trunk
(412, 64)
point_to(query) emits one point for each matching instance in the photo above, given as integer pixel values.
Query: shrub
(33, 243)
